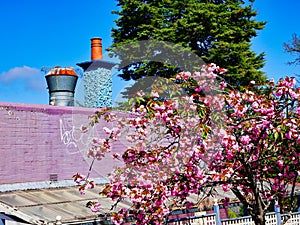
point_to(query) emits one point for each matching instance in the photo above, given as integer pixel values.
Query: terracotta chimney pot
(96, 49)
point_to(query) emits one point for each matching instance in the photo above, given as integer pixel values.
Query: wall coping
(45, 185)
(46, 108)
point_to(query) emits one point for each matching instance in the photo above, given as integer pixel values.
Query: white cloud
(19, 73)
(26, 76)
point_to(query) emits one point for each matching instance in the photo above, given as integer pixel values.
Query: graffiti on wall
(72, 135)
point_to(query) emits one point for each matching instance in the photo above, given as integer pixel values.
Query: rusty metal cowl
(61, 84)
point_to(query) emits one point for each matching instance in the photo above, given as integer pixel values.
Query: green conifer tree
(218, 31)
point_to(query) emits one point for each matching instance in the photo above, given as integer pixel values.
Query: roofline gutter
(15, 212)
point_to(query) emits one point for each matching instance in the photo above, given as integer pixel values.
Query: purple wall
(39, 140)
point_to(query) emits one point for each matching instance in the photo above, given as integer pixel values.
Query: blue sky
(38, 33)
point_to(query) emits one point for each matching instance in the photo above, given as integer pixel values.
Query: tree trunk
(259, 219)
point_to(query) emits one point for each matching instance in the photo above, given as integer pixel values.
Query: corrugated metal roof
(44, 205)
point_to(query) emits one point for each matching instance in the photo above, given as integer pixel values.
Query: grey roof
(44, 206)
(95, 64)
(44, 202)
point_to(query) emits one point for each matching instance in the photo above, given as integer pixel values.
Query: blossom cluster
(193, 133)
(262, 142)
(171, 137)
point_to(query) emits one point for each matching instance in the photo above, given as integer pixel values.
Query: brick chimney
(96, 49)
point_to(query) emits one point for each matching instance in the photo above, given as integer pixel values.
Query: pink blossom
(255, 105)
(95, 206)
(279, 92)
(155, 94)
(280, 163)
(288, 135)
(198, 89)
(245, 139)
(106, 130)
(189, 205)
(226, 187)
(140, 93)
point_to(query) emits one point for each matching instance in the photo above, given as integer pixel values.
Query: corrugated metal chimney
(61, 84)
(96, 49)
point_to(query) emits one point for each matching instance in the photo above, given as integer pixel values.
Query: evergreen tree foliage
(218, 31)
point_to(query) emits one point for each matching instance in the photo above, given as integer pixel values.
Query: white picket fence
(271, 219)
(209, 219)
(294, 218)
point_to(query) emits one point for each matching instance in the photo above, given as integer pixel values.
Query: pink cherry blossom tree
(261, 147)
(190, 134)
(172, 133)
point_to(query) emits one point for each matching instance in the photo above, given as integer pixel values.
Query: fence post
(277, 211)
(217, 212)
(298, 202)
(58, 220)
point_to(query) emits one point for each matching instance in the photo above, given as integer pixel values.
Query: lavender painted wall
(39, 140)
